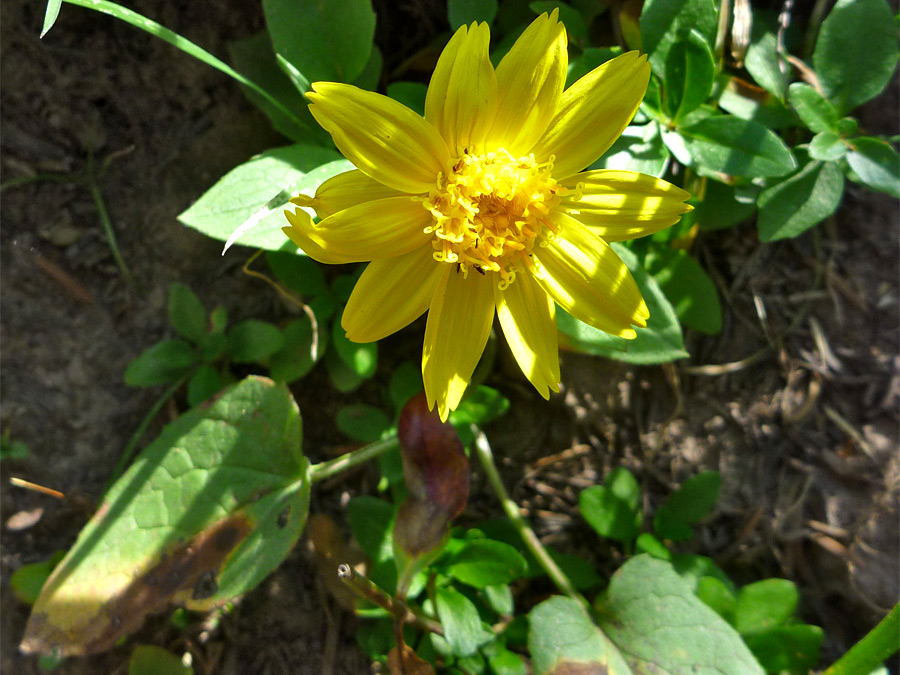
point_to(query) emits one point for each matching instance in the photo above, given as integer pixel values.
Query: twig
(323, 470)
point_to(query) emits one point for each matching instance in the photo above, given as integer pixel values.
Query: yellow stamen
(489, 210)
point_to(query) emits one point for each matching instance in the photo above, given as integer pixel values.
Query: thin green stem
(866, 655)
(100, 205)
(34, 178)
(142, 427)
(185, 45)
(557, 576)
(323, 470)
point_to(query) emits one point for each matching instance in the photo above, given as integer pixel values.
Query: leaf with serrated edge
(207, 510)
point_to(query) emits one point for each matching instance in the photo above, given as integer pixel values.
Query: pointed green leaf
(856, 52)
(794, 205)
(663, 22)
(186, 313)
(876, 165)
(690, 71)
(827, 146)
(815, 111)
(162, 363)
(257, 192)
(461, 621)
(764, 605)
(692, 501)
(609, 515)
(50, 15)
(204, 383)
(737, 147)
(485, 562)
(762, 62)
(207, 510)
(661, 627)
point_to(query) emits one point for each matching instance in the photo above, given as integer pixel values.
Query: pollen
(489, 210)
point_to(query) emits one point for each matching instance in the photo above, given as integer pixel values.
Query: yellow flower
(479, 207)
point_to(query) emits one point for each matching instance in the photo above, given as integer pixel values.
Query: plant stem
(100, 205)
(142, 427)
(557, 576)
(323, 470)
(870, 652)
(398, 609)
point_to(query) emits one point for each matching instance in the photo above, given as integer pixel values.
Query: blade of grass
(870, 652)
(50, 15)
(182, 43)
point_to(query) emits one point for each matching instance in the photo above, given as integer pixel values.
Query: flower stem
(323, 470)
(867, 654)
(557, 576)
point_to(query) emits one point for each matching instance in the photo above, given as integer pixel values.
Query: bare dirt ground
(795, 402)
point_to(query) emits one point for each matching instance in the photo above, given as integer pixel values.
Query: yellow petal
(391, 294)
(530, 78)
(383, 138)
(459, 323)
(588, 280)
(528, 317)
(343, 191)
(592, 114)
(620, 205)
(462, 96)
(384, 228)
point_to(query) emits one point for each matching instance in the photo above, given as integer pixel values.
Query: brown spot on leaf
(579, 668)
(189, 567)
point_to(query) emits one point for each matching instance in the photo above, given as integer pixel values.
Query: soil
(795, 402)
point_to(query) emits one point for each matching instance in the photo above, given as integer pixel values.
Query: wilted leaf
(406, 662)
(204, 514)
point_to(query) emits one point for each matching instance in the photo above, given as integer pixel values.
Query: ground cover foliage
(754, 481)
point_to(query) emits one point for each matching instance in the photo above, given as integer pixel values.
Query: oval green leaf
(794, 205)
(730, 145)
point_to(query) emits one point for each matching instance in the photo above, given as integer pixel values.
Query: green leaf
(204, 383)
(815, 111)
(410, 94)
(576, 27)
(206, 511)
(793, 649)
(153, 660)
(688, 287)
(371, 73)
(661, 341)
(500, 598)
(461, 621)
(764, 605)
(253, 57)
(253, 340)
(827, 146)
(589, 59)
(663, 22)
(690, 72)
(480, 406)
(725, 205)
(661, 627)
(692, 568)
(50, 15)
(856, 52)
(609, 515)
(186, 313)
(372, 522)
(639, 148)
(27, 581)
(762, 62)
(328, 41)
(647, 543)
(485, 562)
(505, 662)
(693, 500)
(361, 358)
(717, 596)
(730, 145)
(464, 12)
(362, 422)
(342, 376)
(562, 638)
(164, 362)
(405, 382)
(298, 273)
(10, 449)
(298, 355)
(257, 192)
(748, 102)
(794, 205)
(876, 164)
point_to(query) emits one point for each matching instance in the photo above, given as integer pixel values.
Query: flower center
(489, 210)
